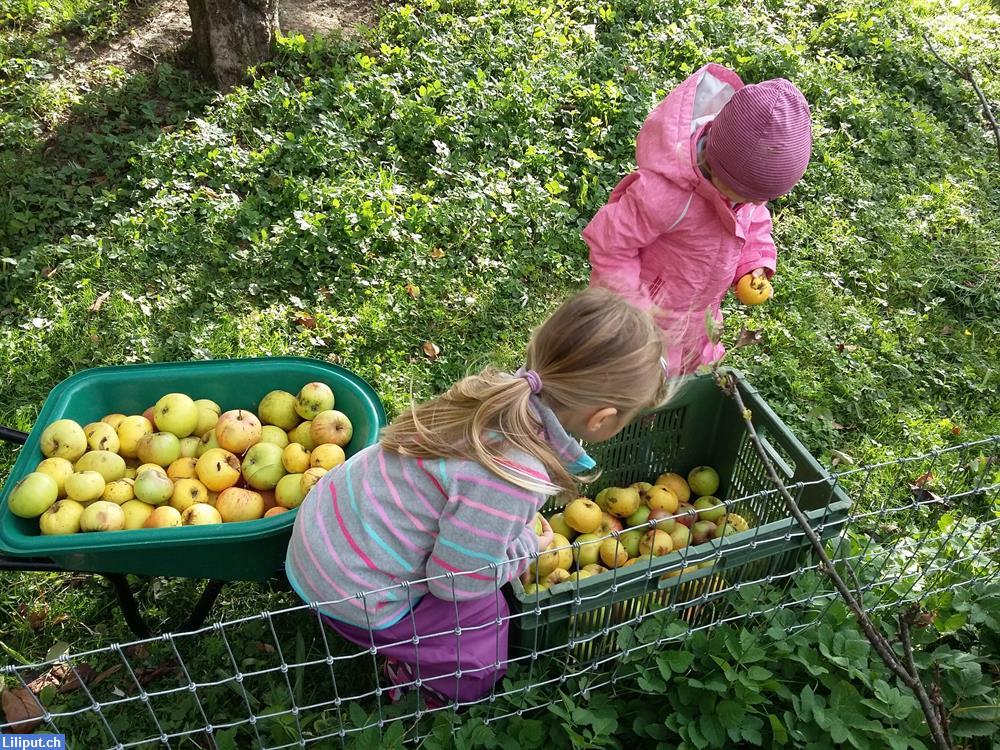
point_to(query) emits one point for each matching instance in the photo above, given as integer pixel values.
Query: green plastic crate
(249, 550)
(701, 426)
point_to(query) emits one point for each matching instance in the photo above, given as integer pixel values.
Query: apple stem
(906, 671)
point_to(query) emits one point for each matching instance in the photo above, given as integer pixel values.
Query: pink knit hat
(759, 143)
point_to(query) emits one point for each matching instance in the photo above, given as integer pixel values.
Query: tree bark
(228, 36)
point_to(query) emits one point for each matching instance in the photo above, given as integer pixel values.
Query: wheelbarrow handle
(8, 435)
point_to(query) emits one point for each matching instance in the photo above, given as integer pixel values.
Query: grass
(429, 181)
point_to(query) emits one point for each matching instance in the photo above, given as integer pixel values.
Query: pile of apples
(624, 526)
(183, 462)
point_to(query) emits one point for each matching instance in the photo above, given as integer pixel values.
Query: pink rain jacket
(667, 238)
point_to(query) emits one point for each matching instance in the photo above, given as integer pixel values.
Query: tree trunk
(228, 36)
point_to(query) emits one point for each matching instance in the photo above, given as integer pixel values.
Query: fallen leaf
(53, 677)
(146, 675)
(137, 651)
(956, 430)
(432, 350)
(265, 648)
(413, 290)
(37, 617)
(947, 330)
(437, 253)
(76, 679)
(306, 321)
(58, 649)
(98, 303)
(748, 338)
(21, 709)
(145, 308)
(48, 272)
(210, 193)
(60, 618)
(922, 480)
(325, 292)
(839, 457)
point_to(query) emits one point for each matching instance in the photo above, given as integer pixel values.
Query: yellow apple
(583, 515)
(676, 484)
(659, 497)
(58, 469)
(102, 516)
(218, 469)
(331, 426)
(113, 419)
(313, 399)
(200, 514)
(109, 465)
(188, 492)
(208, 415)
(274, 435)
(182, 468)
(656, 542)
(64, 438)
(101, 437)
(136, 512)
(84, 486)
(295, 458)
(613, 554)
(189, 446)
(303, 435)
(326, 456)
(275, 511)
(130, 431)
(63, 517)
(235, 504)
(752, 290)
(177, 414)
(237, 430)
(288, 493)
(119, 491)
(310, 477)
(162, 518)
(278, 408)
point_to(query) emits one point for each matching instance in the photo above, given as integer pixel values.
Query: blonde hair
(596, 350)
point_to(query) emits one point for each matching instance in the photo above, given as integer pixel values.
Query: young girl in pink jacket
(692, 219)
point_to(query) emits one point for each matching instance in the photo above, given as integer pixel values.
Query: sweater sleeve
(759, 250)
(485, 535)
(642, 207)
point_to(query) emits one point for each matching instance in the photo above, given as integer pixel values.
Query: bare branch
(878, 640)
(968, 75)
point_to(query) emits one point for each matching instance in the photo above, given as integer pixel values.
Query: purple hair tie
(534, 381)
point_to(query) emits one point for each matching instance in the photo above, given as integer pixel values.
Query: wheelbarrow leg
(126, 601)
(9, 435)
(204, 604)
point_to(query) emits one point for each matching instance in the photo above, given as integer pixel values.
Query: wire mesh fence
(916, 529)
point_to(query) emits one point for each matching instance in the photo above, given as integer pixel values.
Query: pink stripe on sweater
(523, 469)
(420, 463)
(501, 487)
(431, 511)
(489, 509)
(394, 528)
(503, 538)
(301, 571)
(395, 495)
(346, 534)
(453, 569)
(331, 550)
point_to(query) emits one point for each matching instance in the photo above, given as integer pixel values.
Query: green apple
(64, 438)
(109, 465)
(559, 526)
(237, 430)
(189, 446)
(153, 487)
(710, 508)
(331, 426)
(160, 448)
(313, 399)
(130, 432)
(102, 516)
(630, 541)
(274, 435)
(33, 495)
(262, 466)
(58, 469)
(208, 415)
(101, 437)
(177, 414)
(208, 442)
(289, 493)
(638, 518)
(85, 486)
(278, 408)
(63, 517)
(703, 480)
(303, 436)
(589, 552)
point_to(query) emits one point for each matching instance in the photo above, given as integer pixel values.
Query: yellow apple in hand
(752, 290)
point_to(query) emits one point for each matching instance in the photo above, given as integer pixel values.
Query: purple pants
(460, 650)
